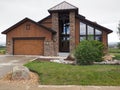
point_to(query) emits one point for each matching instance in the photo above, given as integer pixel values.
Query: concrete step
(62, 54)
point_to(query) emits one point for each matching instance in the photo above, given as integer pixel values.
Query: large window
(88, 32)
(98, 35)
(64, 32)
(82, 31)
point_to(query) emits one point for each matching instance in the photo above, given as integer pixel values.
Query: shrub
(89, 51)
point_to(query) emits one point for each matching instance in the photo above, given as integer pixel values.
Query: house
(61, 31)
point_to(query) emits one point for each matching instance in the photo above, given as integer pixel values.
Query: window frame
(94, 32)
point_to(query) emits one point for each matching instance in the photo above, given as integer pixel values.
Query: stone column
(55, 26)
(72, 31)
(105, 41)
(104, 38)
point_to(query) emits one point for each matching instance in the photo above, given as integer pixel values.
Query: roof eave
(82, 18)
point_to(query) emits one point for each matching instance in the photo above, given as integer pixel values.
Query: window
(27, 26)
(82, 28)
(98, 32)
(88, 32)
(66, 29)
(82, 38)
(98, 35)
(82, 31)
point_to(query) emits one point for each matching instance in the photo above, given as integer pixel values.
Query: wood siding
(47, 23)
(20, 31)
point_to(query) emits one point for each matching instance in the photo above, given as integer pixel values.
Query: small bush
(89, 51)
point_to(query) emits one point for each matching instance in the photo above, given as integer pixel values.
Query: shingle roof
(63, 6)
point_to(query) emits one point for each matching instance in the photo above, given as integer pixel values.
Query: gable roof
(63, 6)
(83, 19)
(44, 19)
(23, 21)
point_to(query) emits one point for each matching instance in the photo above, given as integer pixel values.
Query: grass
(115, 52)
(61, 74)
(2, 50)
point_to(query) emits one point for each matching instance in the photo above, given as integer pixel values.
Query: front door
(64, 44)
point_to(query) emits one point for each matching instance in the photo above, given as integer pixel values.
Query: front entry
(64, 44)
(64, 32)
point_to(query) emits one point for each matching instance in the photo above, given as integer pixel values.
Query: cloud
(104, 12)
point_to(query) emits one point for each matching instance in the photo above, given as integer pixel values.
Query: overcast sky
(104, 12)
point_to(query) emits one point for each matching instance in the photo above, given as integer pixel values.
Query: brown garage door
(28, 47)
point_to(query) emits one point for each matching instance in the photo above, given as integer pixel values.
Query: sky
(104, 12)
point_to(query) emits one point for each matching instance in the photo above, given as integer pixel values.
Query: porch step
(61, 54)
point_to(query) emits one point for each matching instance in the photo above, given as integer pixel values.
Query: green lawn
(115, 52)
(61, 74)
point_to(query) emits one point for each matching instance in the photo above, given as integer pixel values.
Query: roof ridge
(58, 7)
(70, 4)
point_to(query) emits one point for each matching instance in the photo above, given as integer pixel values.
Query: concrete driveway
(7, 62)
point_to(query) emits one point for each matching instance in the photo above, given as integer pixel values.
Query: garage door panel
(28, 47)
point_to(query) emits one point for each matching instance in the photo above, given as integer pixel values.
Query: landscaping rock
(107, 62)
(108, 57)
(20, 73)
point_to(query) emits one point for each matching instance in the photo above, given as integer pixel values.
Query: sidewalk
(49, 87)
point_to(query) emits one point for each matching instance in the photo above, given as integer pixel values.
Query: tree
(118, 32)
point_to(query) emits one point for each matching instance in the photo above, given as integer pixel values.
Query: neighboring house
(61, 31)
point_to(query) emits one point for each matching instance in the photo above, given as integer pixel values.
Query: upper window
(88, 32)
(66, 29)
(82, 28)
(27, 26)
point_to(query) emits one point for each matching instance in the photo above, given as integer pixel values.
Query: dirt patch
(33, 80)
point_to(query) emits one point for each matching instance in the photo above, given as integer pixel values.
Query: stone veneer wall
(55, 26)
(72, 31)
(48, 48)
